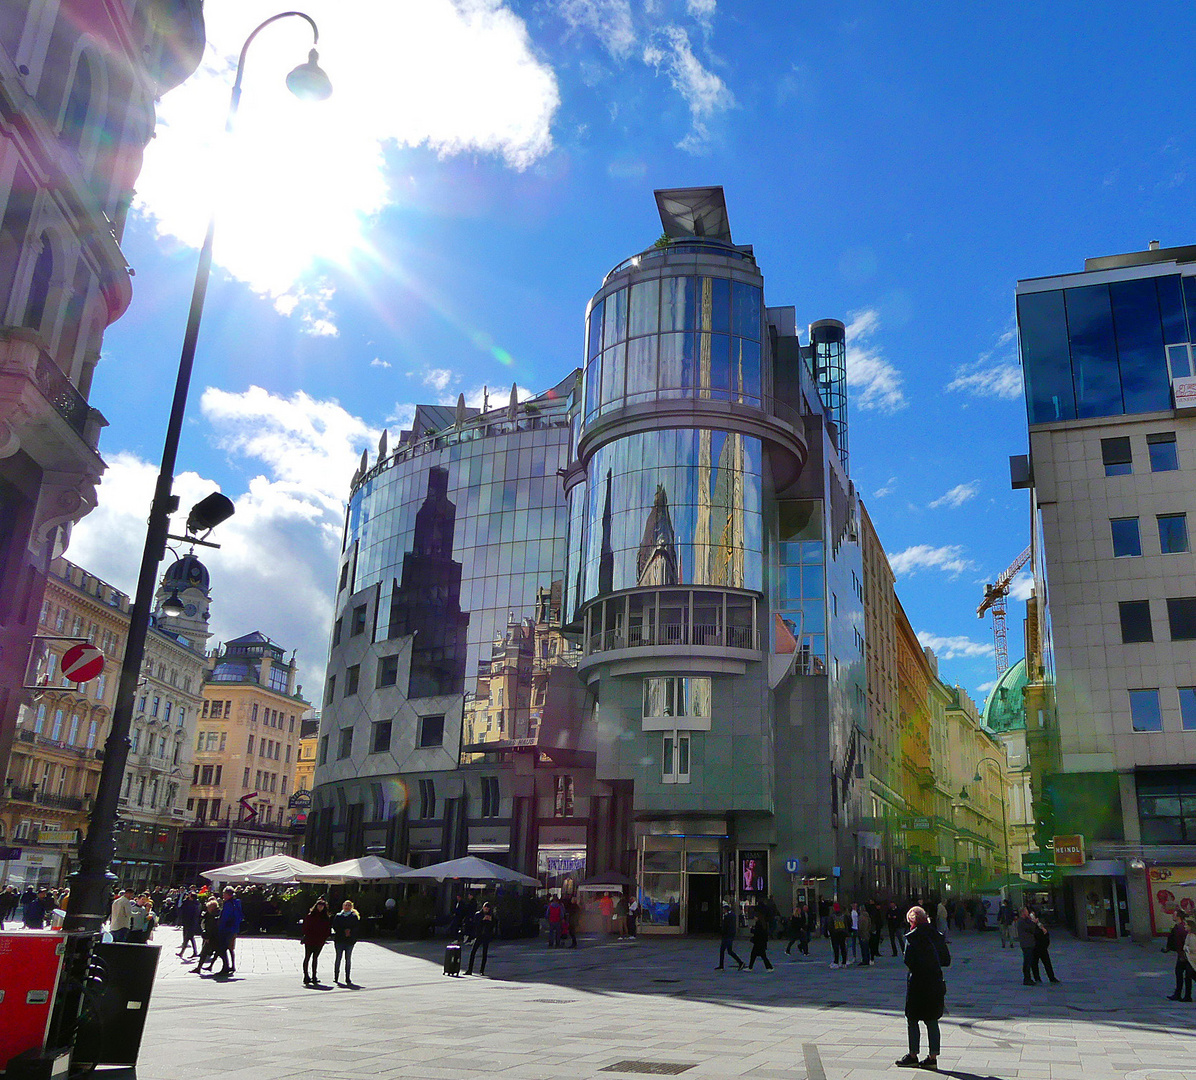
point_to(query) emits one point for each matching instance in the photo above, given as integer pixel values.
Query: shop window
(1163, 456)
(1135, 621)
(1144, 710)
(675, 758)
(1173, 533)
(1127, 541)
(380, 738)
(431, 730)
(1117, 456)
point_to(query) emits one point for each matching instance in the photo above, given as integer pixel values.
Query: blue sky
(439, 225)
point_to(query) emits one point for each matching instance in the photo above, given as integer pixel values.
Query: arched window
(78, 105)
(39, 286)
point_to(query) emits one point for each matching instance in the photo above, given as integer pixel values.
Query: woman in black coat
(925, 989)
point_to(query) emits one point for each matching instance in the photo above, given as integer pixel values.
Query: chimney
(1153, 245)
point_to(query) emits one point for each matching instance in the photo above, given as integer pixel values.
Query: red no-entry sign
(82, 662)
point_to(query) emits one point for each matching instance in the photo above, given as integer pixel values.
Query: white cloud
(948, 558)
(297, 182)
(957, 496)
(702, 11)
(1022, 586)
(607, 20)
(983, 689)
(889, 486)
(988, 378)
(439, 379)
(379, 362)
(704, 92)
(954, 648)
(874, 381)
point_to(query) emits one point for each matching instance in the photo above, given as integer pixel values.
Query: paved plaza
(542, 1014)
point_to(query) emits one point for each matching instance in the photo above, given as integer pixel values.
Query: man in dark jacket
(486, 927)
(36, 910)
(926, 955)
(230, 925)
(1176, 937)
(893, 922)
(1006, 917)
(727, 944)
(1027, 940)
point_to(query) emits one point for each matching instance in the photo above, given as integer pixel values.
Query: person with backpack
(837, 929)
(926, 954)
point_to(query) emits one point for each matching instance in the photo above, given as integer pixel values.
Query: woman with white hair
(926, 955)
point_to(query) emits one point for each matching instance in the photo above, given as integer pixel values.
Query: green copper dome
(1005, 708)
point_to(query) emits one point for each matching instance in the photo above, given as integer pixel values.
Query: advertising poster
(753, 872)
(1172, 888)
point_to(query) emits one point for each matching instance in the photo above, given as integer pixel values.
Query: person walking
(864, 933)
(727, 944)
(1176, 937)
(487, 927)
(1042, 948)
(926, 954)
(36, 911)
(555, 914)
(1027, 941)
(122, 915)
(346, 927)
(942, 920)
(759, 938)
(853, 931)
(893, 923)
(317, 925)
(633, 914)
(797, 925)
(621, 916)
(1190, 957)
(210, 933)
(573, 914)
(837, 927)
(876, 917)
(189, 915)
(231, 917)
(1006, 917)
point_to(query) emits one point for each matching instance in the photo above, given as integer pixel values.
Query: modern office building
(715, 576)
(78, 82)
(452, 720)
(1107, 360)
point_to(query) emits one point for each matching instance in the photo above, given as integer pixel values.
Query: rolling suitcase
(452, 959)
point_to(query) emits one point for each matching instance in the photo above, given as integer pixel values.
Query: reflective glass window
(676, 365)
(1145, 384)
(592, 386)
(717, 291)
(1171, 308)
(1187, 710)
(1117, 456)
(746, 374)
(1126, 538)
(614, 369)
(614, 322)
(1163, 457)
(1173, 533)
(715, 365)
(641, 369)
(1144, 710)
(595, 331)
(678, 304)
(1189, 289)
(1093, 351)
(746, 310)
(645, 307)
(1046, 362)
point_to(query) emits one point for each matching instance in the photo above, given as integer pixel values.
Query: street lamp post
(1004, 822)
(91, 883)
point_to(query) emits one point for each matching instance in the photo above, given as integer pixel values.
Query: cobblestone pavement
(561, 1013)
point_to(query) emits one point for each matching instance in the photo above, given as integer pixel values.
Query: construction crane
(994, 601)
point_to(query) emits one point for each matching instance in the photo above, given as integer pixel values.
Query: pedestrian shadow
(959, 1074)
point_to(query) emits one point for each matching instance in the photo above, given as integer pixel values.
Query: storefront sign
(300, 800)
(65, 836)
(753, 872)
(1172, 889)
(945, 869)
(424, 838)
(1069, 851)
(563, 834)
(1037, 862)
(920, 824)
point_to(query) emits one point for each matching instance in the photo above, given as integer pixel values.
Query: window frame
(1134, 608)
(1137, 695)
(1113, 532)
(1162, 438)
(1111, 450)
(1182, 518)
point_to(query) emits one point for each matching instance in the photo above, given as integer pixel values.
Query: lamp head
(976, 778)
(308, 81)
(963, 794)
(172, 605)
(208, 513)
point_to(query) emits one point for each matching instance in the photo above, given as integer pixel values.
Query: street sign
(920, 824)
(1037, 862)
(82, 663)
(837, 871)
(792, 865)
(945, 869)
(250, 812)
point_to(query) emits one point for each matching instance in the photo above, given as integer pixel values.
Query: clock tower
(187, 581)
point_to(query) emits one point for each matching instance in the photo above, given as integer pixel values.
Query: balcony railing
(45, 798)
(52, 384)
(703, 635)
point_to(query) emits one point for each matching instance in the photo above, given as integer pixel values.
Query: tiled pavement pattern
(568, 1014)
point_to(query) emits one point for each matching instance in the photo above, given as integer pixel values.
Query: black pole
(91, 884)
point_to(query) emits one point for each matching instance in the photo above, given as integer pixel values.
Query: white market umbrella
(470, 868)
(270, 870)
(367, 868)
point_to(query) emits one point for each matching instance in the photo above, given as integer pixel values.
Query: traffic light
(1044, 821)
